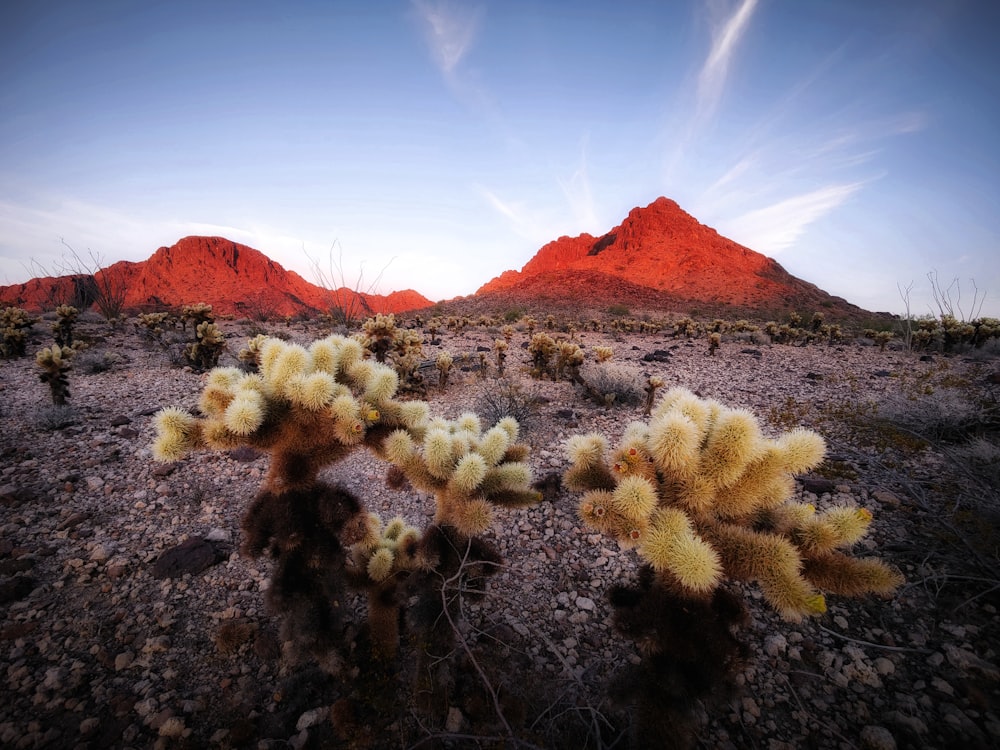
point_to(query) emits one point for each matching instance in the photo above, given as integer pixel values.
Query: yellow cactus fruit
(380, 565)
(493, 445)
(801, 450)
(469, 473)
(437, 453)
(671, 545)
(245, 413)
(674, 440)
(732, 443)
(634, 498)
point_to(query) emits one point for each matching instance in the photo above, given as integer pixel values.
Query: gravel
(97, 650)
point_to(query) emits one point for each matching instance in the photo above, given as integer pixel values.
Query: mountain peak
(662, 248)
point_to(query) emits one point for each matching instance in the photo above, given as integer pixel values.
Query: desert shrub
(93, 362)
(617, 384)
(502, 397)
(52, 417)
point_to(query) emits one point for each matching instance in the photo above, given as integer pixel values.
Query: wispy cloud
(578, 193)
(450, 29)
(776, 227)
(715, 70)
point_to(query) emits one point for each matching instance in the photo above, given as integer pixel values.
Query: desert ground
(100, 648)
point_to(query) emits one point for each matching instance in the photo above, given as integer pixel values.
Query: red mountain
(659, 256)
(233, 278)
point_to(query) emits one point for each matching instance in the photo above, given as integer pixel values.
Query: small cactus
(443, 364)
(63, 327)
(54, 362)
(13, 323)
(197, 313)
(714, 340)
(603, 353)
(204, 353)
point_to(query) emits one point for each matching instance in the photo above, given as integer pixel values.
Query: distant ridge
(660, 256)
(233, 278)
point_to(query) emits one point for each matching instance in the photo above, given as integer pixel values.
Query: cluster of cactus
(62, 329)
(198, 313)
(54, 362)
(309, 407)
(703, 495)
(949, 333)
(443, 362)
(881, 338)
(203, 354)
(714, 341)
(542, 349)
(14, 323)
(379, 335)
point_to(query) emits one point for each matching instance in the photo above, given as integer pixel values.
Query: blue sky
(435, 144)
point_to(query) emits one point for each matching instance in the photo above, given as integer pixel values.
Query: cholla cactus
(569, 357)
(378, 564)
(250, 354)
(467, 470)
(603, 353)
(204, 352)
(500, 347)
(702, 495)
(54, 362)
(541, 348)
(63, 327)
(654, 383)
(714, 340)
(378, 335)
(197, 313)
(443, 364)
(13, 339)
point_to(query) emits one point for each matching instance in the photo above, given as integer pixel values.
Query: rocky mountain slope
(234, 278)
(661, 254)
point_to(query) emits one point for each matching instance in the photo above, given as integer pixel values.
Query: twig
(875, 645)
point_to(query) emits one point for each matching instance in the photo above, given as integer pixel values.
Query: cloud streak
(776, 227)
(715, 70)
(449, 29)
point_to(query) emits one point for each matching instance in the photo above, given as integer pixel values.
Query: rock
(193, 555)
(119, 421)
(877, 738)
(585, 603)
(817, 485)
(16, 588)
(11, 496)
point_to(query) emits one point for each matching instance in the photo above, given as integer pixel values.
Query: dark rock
(565, 414)
(20, 565)
(193, 555)
(120, 421)
(128, 433)
(752, 352)
(881, 374)
(73, 521)
(813, 376)
(164, 470)
(245, 454)
(657, 355)
(817, 485)
(16, 588)
(993, 378)
(11, 496)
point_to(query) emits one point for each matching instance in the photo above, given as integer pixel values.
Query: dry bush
(609, 378)
(503, 397)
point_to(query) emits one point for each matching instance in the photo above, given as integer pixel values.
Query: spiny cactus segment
(378, 564)
(14, 323)
(62, 329)
(54, 362)
(702, 494)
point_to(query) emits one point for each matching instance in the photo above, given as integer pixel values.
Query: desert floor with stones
(100, 647)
